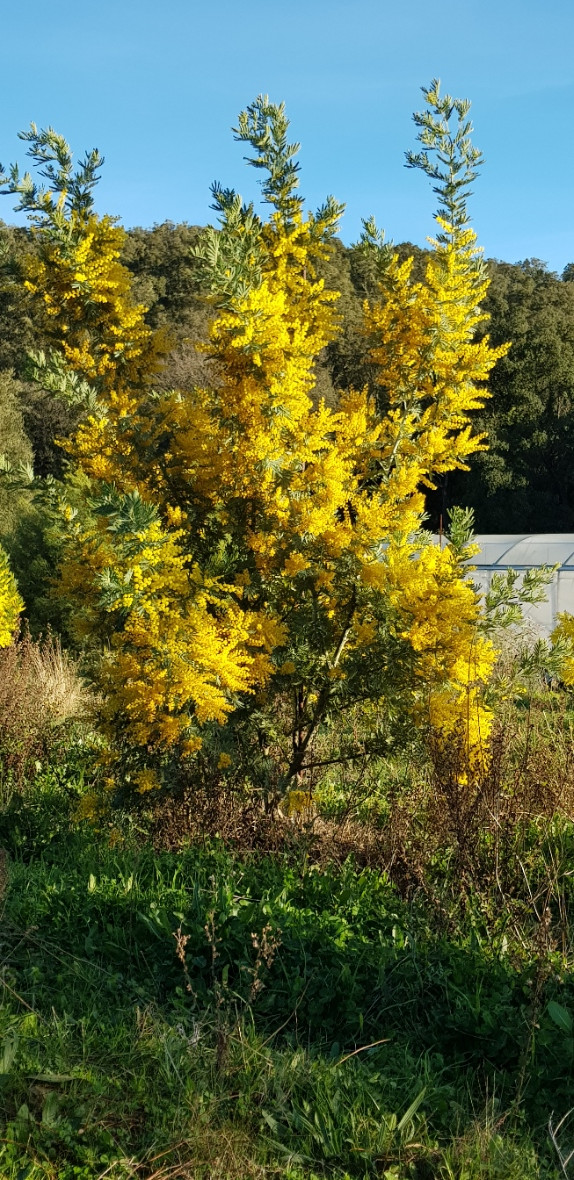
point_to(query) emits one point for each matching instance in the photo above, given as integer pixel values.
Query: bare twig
(363, 1049)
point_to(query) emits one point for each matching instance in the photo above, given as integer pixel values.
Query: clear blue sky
(157, 84)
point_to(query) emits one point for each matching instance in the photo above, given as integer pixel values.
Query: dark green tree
(525, 481)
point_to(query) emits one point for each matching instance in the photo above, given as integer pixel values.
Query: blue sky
(157, 84)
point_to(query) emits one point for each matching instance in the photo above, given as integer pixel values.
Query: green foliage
(42, 814)
(264, 126)
(44, 413)
(510, 591)
(18, 326)
(15, 452)
(164, 273)
(523, 483)
(52, 375)
(362, 1040)
(166, 279)
(68, 193)
(454, 160)
(460, 532)
(34, 547)
(35, 542)
(230, 258)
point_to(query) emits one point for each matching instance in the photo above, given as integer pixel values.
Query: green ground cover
(212, 1014)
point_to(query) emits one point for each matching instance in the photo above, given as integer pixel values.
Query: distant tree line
(523, 483)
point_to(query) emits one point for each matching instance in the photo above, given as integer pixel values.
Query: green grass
(314, 1023)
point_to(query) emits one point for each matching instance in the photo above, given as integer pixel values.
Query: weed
(41, 692)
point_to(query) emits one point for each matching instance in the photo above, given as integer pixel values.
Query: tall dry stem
(41, 691)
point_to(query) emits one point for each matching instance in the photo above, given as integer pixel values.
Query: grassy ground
(202, 1013)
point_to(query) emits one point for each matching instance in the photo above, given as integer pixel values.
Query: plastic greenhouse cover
(501, 551)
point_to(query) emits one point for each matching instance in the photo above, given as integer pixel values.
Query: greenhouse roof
(521, 550)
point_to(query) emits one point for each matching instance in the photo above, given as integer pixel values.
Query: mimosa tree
(251, 563)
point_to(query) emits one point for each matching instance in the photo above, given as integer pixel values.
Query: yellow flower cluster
(88, 807)
(440, 611)
(564, 630)
(428, 361)
(10, 602)
(89, 311)
(184, 647)
(433, 371)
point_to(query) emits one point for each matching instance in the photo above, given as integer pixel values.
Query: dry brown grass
(57, 683)
(481, 820)
(243, 824)
(214, 1153)
(41, 691)
(478, 822)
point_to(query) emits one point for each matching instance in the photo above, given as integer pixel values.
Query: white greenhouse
(500, 552)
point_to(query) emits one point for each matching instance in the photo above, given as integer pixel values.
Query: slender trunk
(302, 736)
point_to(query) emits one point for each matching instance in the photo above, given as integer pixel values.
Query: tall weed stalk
(41, 694)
